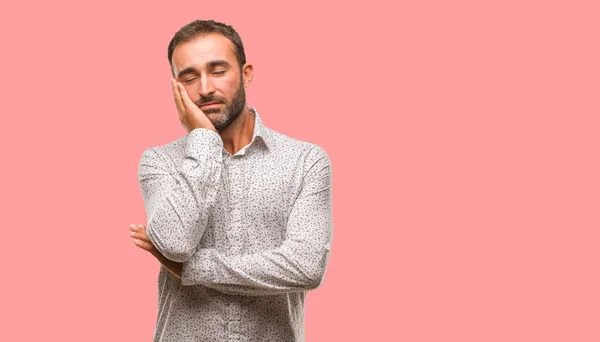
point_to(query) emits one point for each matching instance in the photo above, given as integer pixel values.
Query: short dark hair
(199, 28)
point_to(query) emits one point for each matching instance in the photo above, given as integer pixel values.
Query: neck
(239, 133)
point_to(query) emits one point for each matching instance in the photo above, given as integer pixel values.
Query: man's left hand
(141, 239)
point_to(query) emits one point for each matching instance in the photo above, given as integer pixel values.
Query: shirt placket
(235, 235)
(236, 205)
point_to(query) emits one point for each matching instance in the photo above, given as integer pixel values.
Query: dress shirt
(253, 231)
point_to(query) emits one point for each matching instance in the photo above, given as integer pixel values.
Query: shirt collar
(260, 131)
(259, 128)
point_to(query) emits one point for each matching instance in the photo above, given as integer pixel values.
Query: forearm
(272, 272)
(179, 199)
(177, 222)
(173, 267)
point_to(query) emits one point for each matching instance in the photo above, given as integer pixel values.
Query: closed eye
(189, 80)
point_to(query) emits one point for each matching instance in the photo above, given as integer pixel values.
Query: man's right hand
(190, 115)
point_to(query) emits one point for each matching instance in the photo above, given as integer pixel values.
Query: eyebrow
(209, 65)
(186, 71)
(215, 64)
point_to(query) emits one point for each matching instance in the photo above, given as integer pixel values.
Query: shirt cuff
(203, 141)
(198, 270)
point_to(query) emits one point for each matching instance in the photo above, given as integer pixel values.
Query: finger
(175, 90)
(185, 98)
(141, 235)
(176, 93)
(136, 227)
(177, 97)
(143, 245)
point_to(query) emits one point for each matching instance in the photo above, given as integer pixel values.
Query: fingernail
(132, 233)
(136, 241)
(132, 225)
(140, 226)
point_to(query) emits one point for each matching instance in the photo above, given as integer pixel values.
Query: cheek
(192, 90)
(229, 86)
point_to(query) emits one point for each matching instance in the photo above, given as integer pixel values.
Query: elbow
(315, 280)
(316, 274)
(313, 284)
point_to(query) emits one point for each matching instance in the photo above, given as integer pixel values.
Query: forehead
(199, 51)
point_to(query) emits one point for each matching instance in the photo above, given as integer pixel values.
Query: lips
(209, 104)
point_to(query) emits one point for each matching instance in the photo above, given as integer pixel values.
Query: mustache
(207, 99)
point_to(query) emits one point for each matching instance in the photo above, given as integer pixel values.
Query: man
(238, 215)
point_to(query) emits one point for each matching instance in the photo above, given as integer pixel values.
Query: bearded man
(238, 215)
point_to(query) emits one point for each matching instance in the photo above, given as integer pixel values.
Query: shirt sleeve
(178, 199)
(298, 264)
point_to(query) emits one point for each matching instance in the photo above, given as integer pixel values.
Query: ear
(247, 71)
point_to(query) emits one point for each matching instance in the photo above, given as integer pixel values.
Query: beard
(229, 113)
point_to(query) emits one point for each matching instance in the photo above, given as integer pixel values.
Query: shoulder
(288, 145)
(309, 154)
(167, 154)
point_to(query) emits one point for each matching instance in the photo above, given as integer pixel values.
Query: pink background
(464, 139)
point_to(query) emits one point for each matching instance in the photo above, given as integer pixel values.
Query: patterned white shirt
(253, 231)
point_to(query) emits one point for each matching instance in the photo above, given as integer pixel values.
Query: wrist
(174, 267)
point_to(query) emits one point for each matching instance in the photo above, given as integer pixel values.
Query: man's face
(208, 69)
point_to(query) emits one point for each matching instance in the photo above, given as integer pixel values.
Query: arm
(300, 262)
(140, 238)
(178, 200)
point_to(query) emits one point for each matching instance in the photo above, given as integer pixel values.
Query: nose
(206, 86)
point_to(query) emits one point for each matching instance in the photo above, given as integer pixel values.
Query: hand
(141, 239)
(190, 115)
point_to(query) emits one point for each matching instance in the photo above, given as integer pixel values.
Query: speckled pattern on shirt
(253, 231)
